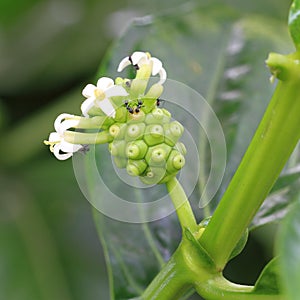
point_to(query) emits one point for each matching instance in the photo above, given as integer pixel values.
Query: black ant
(130, 109)
(138, 107)
(135, 66)
(159, 102)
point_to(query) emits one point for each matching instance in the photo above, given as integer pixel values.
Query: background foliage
(49, 50)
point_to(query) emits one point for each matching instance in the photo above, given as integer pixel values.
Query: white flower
(99, 96)
(60, 148)
(138, 58)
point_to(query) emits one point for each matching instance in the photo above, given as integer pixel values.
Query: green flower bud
(152, 95)
(175, 162)
(135, 132)
(154, 92)
(119, 81)
(136, 167)
(138, 86)
(136, 149)
(154, 134)
(121, 114)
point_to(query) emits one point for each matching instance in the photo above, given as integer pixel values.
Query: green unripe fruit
(136, 167)
(157, 115)
(154, 134)
(117, 148)
(167, 114)
(153, 175)
(120, 162)
(135, 132)
(181, 148)
(136, 117)
(147, 143)
(175, 161)
(158, 155)
(136, 149)
(178, 161)
(176, 128)
(173, 131)
(117, 130)
(167, 177)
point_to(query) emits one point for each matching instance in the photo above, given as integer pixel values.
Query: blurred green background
(49, 50)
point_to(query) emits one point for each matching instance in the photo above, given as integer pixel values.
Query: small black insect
(135, 66)
(128, 83)
(159, 102)
(85, 148)
(138, 107)
(130, 109)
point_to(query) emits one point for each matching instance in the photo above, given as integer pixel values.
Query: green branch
(181, 203)
(272, 144)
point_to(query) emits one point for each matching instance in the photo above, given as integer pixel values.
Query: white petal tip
(162, 75)
(123, 64)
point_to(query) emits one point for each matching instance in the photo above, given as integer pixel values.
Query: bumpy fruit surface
(147, 144)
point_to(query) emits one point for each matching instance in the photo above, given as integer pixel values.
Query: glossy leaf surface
(289, 249)
(294, 22)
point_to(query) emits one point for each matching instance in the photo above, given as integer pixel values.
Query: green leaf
(220, 53)
(268, 282)
(281, 198)
(294, 22)
(289, 251)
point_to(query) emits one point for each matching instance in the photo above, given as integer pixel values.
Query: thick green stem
(272, 144)
(181, 203)
(170, 283)
(218, 288)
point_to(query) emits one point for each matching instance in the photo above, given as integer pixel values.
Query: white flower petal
(115, 90)
(163, 76)
(68, 147)
(124, 63)
(104, 83)
(60, 118)
(157, 65)
(67, 124)
(54, 137)
(139, 57)
(87, 105)
(60, 156)
(89, 90)
(106, 107)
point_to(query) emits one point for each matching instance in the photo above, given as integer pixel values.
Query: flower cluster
(125, 113)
